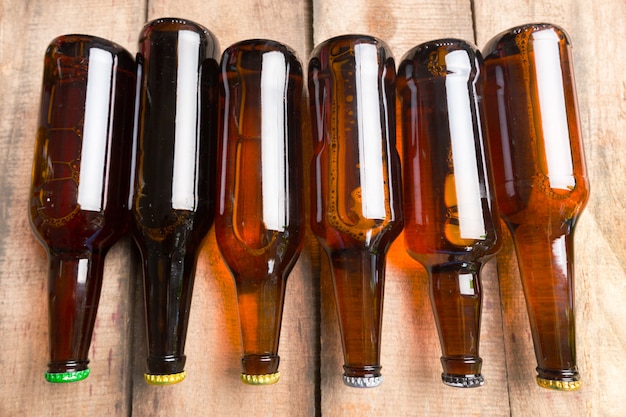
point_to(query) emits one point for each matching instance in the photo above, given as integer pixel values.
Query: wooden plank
(410, 344)
(26, 28)
(600, 253)
(213, 343)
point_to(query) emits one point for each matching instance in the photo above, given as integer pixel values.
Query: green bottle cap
(62, 377)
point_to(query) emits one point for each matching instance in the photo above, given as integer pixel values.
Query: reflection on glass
(355, 189)
(259, 225)
(452, 227)
(541, 181)
(173, 203)
(79, 190)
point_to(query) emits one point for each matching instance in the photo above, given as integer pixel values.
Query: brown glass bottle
(259, 221)
(451, 219)
(174, 202)
(79, 190)
(355, 189)
(541, 181)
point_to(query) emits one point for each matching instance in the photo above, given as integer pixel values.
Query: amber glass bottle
(259, 221)
(541, 182)
(80, 185)
(173, 203)
(355, 189)
(451, 220)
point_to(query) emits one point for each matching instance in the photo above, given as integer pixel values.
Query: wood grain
(410, 344)
(213, 343)
(26, 28)
(600, 250)
(310, 348)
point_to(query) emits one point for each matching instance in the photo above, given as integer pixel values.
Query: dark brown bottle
(80, 185)
(355, 187)
(259, 221)
(541, 181)
(173, 204)
(451, 220)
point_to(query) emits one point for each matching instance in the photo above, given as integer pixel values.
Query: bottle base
(63, 377)
(267, 379)
(363, 382)
(463, 381)
(559, 385)
(169, 379)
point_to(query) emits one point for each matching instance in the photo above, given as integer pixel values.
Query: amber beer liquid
(451, 219)
(541, 181)
(259, 224)
(173, 204)
(80, 184)
(355, 189)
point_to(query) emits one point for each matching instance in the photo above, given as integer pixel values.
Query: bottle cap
(169, 379)
(267, 379)
(362, 382)
(463, 381)
(559, 385)
(72, 376)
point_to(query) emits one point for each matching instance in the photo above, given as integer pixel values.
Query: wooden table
(310, 345)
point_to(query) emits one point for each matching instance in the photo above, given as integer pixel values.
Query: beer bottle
(259, 221)
(451, 223)
(541, 182)
(355, 188)
(173, 203)
(79, 190)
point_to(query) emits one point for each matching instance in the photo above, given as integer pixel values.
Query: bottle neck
(74, 284)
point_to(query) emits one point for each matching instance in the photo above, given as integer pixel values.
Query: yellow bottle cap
(170, 379)
(267, 379)
(559, 385)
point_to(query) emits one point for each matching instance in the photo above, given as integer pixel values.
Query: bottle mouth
(63, 377)
(463, 381)
(168, 379)
(265, 379)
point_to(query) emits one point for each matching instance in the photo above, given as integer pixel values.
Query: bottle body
(173, 203)
(451, 218)
(541, 181)
(79, 191)
(355, 190)
(259, 221)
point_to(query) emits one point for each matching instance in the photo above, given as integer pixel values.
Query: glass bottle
(79, 190)
(541, 181)
(259, 221)
(173, 203)
(355, 189)
(451, 223)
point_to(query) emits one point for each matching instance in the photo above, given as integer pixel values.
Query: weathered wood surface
(310, 348)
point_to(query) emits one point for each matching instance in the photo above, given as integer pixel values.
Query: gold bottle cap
(267, 379)
(170, 379)
(559, 385)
